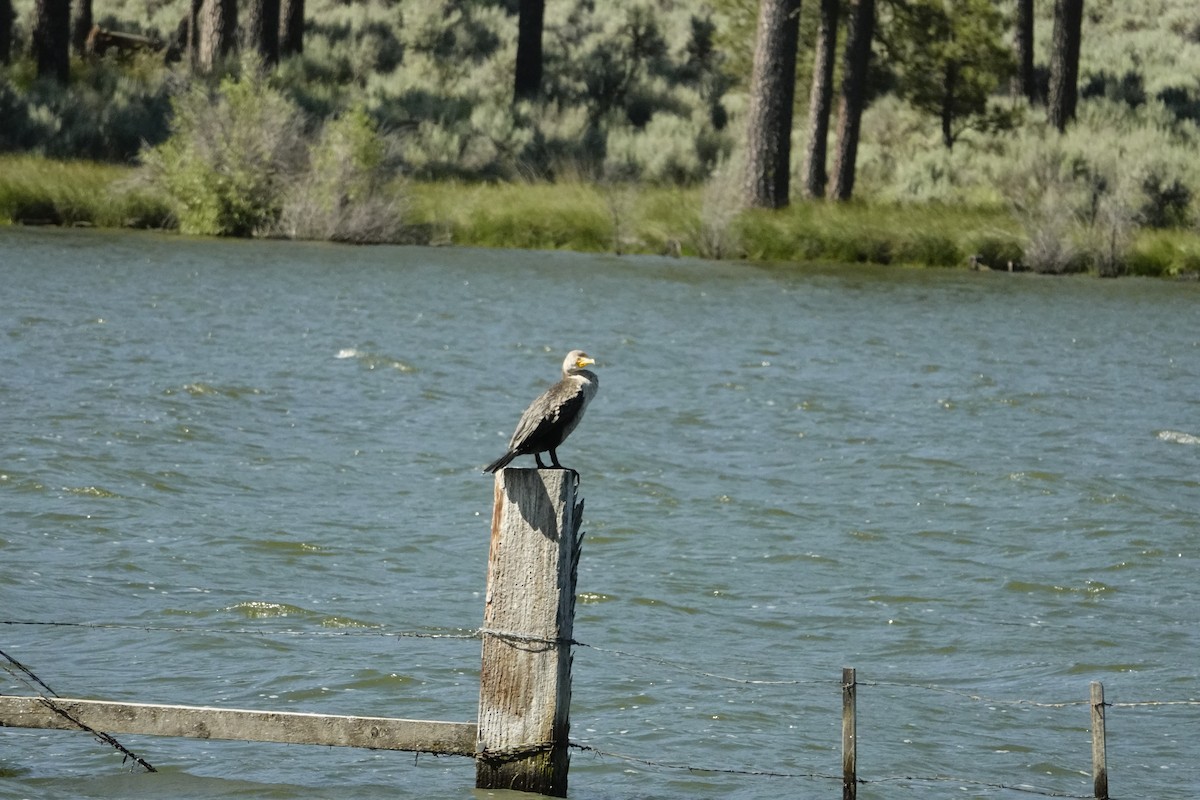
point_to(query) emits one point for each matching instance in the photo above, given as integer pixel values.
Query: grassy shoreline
(586, 217)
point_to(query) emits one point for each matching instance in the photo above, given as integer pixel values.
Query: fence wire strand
(479, 633)
(26, 676)
(22, 673)
(432, 633)
(666, 765)
(690, 768)
(694, 671)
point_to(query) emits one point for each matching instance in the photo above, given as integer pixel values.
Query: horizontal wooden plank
(198, 722)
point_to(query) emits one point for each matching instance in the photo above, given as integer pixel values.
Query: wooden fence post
(1099, 757)
(525, 678)
(849, 735)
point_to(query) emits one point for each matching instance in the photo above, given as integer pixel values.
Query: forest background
(407, 120)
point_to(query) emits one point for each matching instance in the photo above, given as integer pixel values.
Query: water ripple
(934, 478)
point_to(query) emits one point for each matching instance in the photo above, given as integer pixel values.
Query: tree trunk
(262, 29)
(1025, 81)
(820, 101)
(81, 25)
(1064, 62)
(217, 28)
(528, 83)
(6, 26)
(950, 86)
(192, 46)
(860, 28)
(772, 95)
(291, 28)
(52, 39)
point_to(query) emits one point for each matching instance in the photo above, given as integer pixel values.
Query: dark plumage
(551, 418)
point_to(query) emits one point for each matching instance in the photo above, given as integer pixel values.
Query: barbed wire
(26, 676)
(825, 776)
(1031, 703)
(695, 671)
(1012, 787)
(26, 672)
(479, 633)
(449, 633)
(973, 695)
(649, 762)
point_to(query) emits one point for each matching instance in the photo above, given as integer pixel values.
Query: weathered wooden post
(849, 735)
(1099, 757)
(525, 679)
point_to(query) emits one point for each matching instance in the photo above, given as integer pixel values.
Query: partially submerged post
(849, 734)
(1099, 759)
(525, 678)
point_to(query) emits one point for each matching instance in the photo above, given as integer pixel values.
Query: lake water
(248, 466)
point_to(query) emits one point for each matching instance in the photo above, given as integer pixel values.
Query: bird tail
(501, 462)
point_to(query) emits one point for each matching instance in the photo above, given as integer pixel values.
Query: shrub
(1080, 196)
(1166, 203)
(345, 195)
(230, 155)
(670, 149)
(1128, 88)
(106, 112)
(716, 234)
(1050, 245)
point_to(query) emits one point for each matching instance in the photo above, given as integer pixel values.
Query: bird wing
(550, 418)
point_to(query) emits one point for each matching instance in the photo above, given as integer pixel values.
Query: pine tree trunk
(191, 44)
(772, 94)
(528, 83)
(52, 39)
(860, 28)
(6, 27)
(820, 101)
(81, 25)
(1064, 62)
(291, 28)
(949, 89)
(262, 29)
(217, 28)
(1025, 82)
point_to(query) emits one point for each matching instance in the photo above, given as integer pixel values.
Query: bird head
(577, 359)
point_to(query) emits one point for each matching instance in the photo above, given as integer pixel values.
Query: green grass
(877, 233)
(598, 218)
(590, 217)
(527, 216)
(1170, 253)
(35, 190)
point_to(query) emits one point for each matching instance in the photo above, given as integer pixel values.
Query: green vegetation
(594, 217)
(397, 124)
(951, 57)
(230, 157)
(40, 191)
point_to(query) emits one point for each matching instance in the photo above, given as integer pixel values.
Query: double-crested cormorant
(550, 418)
